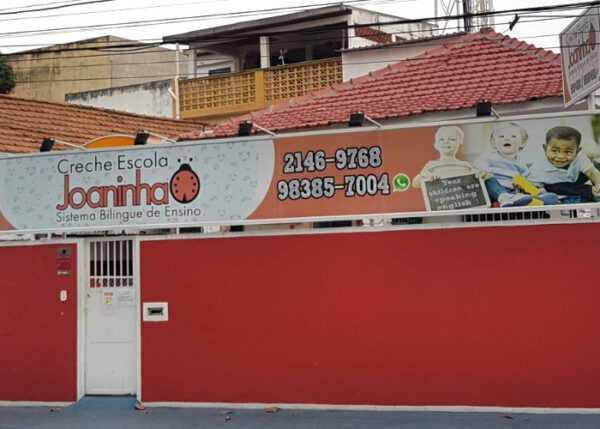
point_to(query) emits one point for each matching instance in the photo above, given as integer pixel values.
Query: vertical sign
(580, 56)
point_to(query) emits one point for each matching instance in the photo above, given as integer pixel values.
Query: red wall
(38, 333)
(497, 316)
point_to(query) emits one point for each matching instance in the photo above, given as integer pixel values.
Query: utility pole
(470, 24)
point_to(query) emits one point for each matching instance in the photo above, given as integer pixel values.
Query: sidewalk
(174, 418)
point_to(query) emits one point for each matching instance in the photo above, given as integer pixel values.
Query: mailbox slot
(156, 311)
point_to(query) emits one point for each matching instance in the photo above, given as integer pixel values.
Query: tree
(7, 77)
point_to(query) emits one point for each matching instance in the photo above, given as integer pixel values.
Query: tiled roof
(25, 123)
(484, 65)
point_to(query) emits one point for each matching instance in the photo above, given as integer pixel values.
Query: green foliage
(7, 77)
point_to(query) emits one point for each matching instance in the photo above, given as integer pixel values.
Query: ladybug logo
(184, 185)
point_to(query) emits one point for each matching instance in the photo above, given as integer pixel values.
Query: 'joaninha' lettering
(119, 195)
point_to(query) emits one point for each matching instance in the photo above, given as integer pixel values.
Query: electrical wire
(56, 7)
(133, 24)
(429, 45)
(129, 24)
(214, 59)
(222, 39)
(38, 4)
(125, 9)
(139, 47)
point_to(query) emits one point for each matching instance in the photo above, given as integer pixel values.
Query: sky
(21, 31)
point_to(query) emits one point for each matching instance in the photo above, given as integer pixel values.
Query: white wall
(360, 62)
(212, 61)
(151, 98)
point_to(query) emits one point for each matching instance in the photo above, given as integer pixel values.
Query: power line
(147, 49)
(561, 7)
(185, 4)
(423, 43)
(142, 46)
(163, 50)
(39, 4)
(158, 41)
(114, 44)
(55, 7)
(129, 24)
(104, 45)
(429, 45)
(139, 47)
(356, 25)
(117, 10)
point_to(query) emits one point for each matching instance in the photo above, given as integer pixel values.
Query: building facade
(454, 302)
(48, 74)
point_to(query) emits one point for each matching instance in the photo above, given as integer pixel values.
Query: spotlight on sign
(356, 119)
(141, 138)
(484, 108)
(244, 128)
(47, 144)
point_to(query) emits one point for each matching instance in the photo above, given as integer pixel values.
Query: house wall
(151, 98)
(360, 62)
(38, 332)
(48, 74)
(149, 65)
(496, 316)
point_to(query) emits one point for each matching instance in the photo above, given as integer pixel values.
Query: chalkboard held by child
(507, 140)
(565, 170)
(447, 142)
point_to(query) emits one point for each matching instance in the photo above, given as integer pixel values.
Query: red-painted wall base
(503, 316)
(38, 333)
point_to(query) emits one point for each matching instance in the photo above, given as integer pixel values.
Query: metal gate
(110, 309)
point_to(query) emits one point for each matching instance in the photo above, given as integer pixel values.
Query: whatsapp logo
(401, 182)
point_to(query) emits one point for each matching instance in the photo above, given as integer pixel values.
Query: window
(508, 216)
(222, 70)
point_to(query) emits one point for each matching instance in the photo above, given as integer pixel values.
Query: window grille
(111, 264)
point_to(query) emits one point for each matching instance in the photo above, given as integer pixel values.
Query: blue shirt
(542, 171)
(502, 169)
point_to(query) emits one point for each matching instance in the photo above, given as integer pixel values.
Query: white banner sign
(178, 184)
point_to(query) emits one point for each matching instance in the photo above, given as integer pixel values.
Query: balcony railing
(237, 93)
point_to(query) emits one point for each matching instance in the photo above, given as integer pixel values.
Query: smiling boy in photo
(565, 170)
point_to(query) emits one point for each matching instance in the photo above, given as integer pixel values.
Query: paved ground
(174, 418)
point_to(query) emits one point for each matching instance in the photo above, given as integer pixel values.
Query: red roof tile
(484, 65)
(25, 123)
